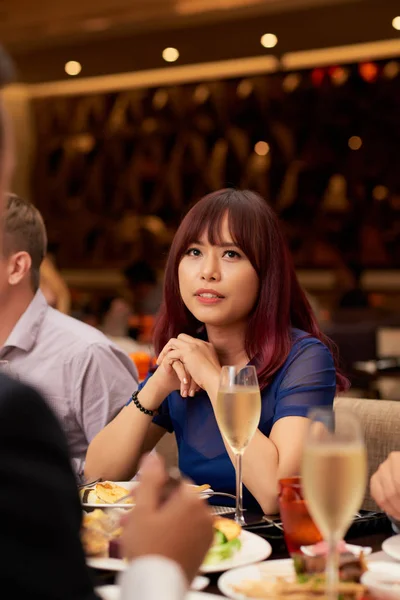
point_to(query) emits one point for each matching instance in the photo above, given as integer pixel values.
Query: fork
(89, 484)
(222, 494)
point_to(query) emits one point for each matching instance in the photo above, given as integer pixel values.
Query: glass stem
(332, 569)
(239, 490)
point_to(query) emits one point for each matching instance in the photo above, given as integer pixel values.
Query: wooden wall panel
(115, 170)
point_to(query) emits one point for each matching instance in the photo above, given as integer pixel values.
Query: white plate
(280, 568)
(199, 583)
(112, 592)
(356, 550)
(377, 576)
(283, 568)
(106, 564)
(254, 549)
(392, 546)
(130, 485)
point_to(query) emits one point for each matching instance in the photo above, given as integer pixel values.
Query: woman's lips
(208, 296)
(209, 299)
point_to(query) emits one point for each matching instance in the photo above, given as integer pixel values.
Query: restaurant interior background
(127, 111)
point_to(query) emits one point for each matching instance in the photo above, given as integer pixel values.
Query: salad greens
(221, 548)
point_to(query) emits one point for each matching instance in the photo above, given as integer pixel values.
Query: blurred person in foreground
(231, 297)
(83, 375)
(40, 511)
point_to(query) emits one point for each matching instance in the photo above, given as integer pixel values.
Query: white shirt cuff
(152, 578)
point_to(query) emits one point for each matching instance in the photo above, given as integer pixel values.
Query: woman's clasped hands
(194, 362)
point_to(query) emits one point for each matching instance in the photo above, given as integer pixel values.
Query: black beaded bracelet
(142, 409)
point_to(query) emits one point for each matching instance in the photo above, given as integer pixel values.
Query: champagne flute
(334, 472)
(238, 411)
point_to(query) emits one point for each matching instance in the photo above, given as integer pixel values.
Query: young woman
(231, 297)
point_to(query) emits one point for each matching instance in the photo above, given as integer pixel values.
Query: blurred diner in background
(200, 259)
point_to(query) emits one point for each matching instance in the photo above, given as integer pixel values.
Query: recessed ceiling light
(73, 67)
(396, 23)
(170, 54)
(269, 40)
(261, 148)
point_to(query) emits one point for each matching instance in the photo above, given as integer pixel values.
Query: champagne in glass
(238, 411)
(334, 472)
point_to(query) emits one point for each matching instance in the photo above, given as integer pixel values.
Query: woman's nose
(210, 269)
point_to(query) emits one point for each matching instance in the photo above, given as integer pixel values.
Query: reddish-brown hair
(281, 302)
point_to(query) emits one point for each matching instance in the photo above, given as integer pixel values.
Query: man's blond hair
(25, 231)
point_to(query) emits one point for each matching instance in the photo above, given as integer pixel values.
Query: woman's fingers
(183, 377)
(173, 344)
(174, 358)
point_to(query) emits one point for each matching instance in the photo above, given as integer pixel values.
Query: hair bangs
(207, 217)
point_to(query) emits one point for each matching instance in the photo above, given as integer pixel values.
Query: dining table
(372, 539)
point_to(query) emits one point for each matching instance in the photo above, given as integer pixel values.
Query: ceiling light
(269, 40)
(170, 54)
(355, 142)
(73, 67)
(261, 148)
(396, 23)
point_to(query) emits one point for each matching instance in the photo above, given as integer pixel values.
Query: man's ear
(19, 266)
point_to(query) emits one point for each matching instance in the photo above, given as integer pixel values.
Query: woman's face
(218, 284)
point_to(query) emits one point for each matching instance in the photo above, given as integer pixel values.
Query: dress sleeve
(308, 381)
(163, 419)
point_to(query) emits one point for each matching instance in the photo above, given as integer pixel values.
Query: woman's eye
(193, 252)
(232, 254)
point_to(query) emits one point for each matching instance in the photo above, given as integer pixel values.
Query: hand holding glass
(334, 473)
(238, 411)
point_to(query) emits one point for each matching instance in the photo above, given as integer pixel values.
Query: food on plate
(351, 567)
(309, 580)
(226, 541)
(105, 492)
(101, 532)
(322, 548)
(98, 529)
(108, 492)
(286, 589)
(201, 489)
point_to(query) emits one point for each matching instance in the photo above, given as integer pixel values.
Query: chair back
(380, 420)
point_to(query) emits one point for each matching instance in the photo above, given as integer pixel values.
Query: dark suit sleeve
(40, 514)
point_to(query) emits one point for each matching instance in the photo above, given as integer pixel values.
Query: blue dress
(306, 379)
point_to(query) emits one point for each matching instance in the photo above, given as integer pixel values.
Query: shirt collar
(25, 332)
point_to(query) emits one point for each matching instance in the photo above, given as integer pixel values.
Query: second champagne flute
(334, 474)
(238, 411)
